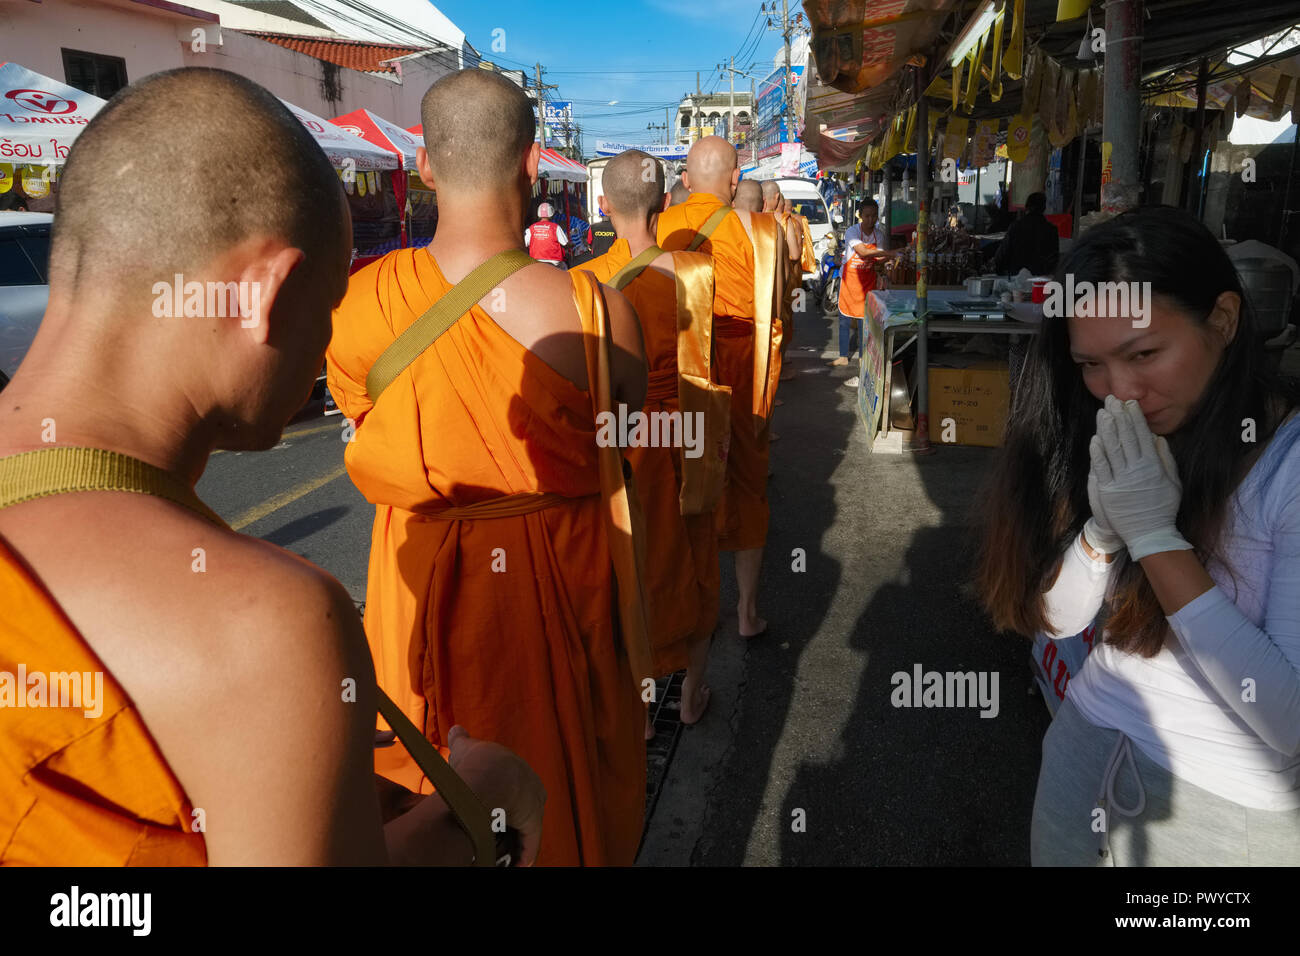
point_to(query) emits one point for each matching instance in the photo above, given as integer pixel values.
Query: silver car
(24, 284)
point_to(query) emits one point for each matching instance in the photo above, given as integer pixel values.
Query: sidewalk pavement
(802, 759)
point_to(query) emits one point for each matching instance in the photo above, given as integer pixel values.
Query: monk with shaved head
(679, 193)
(501, 521)
(749, 196)
(220, 728)
(747, 249)
(673, 296)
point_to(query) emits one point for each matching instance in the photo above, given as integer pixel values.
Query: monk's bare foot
(751, 625)
(695, 701)
(649, 727)
(839, 361)
(773, 436)
(779, 401)
(786, 377)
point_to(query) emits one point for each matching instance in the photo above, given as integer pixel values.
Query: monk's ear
(531, 159)
(668, 201)
(262, 282)
(422, 165)
(686, 180)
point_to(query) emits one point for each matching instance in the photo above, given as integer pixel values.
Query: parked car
(806, 200)
(24, 284)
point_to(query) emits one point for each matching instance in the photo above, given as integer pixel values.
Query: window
(814, 210)
(94, 73)
(23, 260)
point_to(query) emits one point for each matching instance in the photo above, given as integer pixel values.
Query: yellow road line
(258, 512)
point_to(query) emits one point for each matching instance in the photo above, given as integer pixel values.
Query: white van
(808, 202)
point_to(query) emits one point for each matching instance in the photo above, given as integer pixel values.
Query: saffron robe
(744, 512)
(502, 622)
(78, 790)
(682, 575)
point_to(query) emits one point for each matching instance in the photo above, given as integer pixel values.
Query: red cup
(1039, 292)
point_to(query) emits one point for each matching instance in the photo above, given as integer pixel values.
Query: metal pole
(1121, 186)
(731, 119)
(921, 441)
(541, 109)
(1189, 174)
(1078, 185)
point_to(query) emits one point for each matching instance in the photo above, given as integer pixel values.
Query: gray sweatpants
(1098, 792)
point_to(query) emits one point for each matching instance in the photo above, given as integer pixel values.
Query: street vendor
(866, 247)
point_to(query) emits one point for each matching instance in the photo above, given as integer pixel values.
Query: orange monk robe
(744, 512)
(77, 790)
(501, 624)
(807, 256)
(682, 578)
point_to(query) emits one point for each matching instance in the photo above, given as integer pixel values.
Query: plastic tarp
(379, 132)
(40, 117)
(343, 149)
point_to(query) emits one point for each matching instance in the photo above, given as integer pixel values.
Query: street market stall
(377, 131)
(363, 169)
(39, 120)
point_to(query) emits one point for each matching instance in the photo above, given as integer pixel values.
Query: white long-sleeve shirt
(1219, 705)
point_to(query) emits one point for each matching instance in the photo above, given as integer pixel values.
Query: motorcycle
(828, 277)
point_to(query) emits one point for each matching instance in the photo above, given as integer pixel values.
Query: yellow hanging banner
(1018, 131)
(995, 76)
(973, 77)
(1013, 59)
(1033, 86)
(956, 84)
(909, 132)
(36, 181)
(954, 137)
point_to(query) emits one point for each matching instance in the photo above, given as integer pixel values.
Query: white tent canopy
(342, 148)
(40, 117)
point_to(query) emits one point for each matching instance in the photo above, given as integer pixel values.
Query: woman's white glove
(1097, 531)
(1136, 481)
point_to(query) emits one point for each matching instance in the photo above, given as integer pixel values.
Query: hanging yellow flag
(909, 132)
(1087, 98)
(956, 84)
(986, 134)
(36, 181)
(1013, 59)
(1279, 97)
(973, 75)
(1018, 132)
(954, 137)
(1047, 92)
(6, 178)
(1033, 86)
(995, 77)
(1064, 96)
(1069, 130)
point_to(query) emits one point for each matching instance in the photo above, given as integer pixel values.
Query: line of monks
(526, 584)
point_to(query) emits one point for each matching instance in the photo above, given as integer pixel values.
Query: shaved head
(178, 168)
(749, 196)
(771, 195)
(477, 128)
(711, 167)
(633, 184)
(679, 193)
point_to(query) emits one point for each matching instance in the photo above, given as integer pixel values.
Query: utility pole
(787, 28)
(541, 109)
(731, 75)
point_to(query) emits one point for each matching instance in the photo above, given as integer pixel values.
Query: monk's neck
(70, 392)
(473, 227)
(640, 235)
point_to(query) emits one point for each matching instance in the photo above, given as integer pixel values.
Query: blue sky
(635, 36)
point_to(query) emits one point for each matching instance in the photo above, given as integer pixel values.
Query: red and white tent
(40, 117)
(379, 132)
(343, 149)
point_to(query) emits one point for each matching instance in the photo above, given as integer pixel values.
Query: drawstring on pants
(1122, 752)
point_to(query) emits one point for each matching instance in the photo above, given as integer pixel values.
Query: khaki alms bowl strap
(624, 276)
(710, 224)
(441, 316)
(465, 806)
(65, 469)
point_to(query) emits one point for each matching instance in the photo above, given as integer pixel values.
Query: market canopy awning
(40, 117)
(550, 165)
(343, 149)
(379, 132)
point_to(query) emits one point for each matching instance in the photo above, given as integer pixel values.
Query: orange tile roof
(353, 54)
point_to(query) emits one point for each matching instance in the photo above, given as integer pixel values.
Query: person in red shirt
(544, 239)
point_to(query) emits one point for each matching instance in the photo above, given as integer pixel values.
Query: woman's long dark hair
(1037, 498)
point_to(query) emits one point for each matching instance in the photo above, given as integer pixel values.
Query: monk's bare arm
(629, 368)
(275, 745)
(794, 240)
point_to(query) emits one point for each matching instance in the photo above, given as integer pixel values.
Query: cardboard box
(975, 400)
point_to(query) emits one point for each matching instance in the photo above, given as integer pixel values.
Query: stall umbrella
(387, 136)
(40, 117)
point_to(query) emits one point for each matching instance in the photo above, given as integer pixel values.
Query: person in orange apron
(866, 246)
